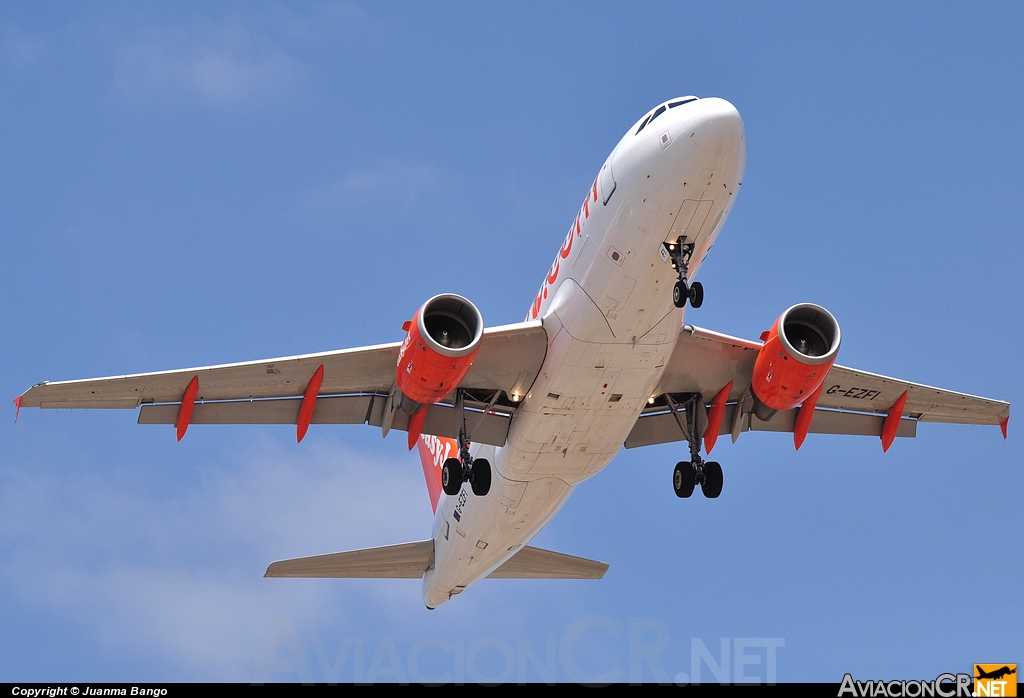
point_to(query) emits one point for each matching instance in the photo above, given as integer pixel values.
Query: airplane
(508, 420)
(995, 674)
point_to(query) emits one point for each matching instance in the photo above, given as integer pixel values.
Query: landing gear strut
(465, 468)
(688, 474)
(680, 252)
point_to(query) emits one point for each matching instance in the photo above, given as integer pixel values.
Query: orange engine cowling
(442, 341)
(797, 354)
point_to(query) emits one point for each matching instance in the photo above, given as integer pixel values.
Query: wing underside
(356, 383)
(490, 423)
(851, 402)
(354, 388)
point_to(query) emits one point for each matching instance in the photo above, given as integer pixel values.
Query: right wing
(852, 401)
(355, 386)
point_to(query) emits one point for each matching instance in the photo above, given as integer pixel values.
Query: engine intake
(438, 350)
(795, 358)
(451, 325)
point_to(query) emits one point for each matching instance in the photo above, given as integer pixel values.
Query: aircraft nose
(718, 128)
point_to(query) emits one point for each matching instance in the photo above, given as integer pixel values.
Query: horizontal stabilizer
(534, 563)
(411, 560)
(403, 561)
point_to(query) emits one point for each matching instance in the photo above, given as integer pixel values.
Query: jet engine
(439, 348)
(796, 356)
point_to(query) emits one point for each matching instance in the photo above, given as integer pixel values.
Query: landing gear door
(689, 220)
(606, 181)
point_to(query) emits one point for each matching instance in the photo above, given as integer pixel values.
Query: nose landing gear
(688, 474)
(680, 252)
(693, 293)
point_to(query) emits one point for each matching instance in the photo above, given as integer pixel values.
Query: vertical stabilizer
(434, 450)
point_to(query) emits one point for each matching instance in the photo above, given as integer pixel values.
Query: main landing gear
(465, 468)
(688, 474)
(680, 252)
(475, 471)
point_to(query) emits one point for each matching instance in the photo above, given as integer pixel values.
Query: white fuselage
(606, 305)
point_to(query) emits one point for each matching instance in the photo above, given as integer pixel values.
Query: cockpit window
(662, 108)
(655, 115)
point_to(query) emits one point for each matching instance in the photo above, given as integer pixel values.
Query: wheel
(679, 294)
(480, 477)
(696, 294)
(684, 479)
(451, 476)
(712, 485)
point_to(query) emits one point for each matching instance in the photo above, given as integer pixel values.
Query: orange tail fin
(434, 450)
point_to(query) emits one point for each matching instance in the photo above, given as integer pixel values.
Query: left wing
(851, 401)
(354, 388)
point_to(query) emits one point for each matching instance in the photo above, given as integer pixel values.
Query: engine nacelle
(797, 355)
(442, 341)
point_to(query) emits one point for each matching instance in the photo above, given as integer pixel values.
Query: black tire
(712, 485)
(679, 294)
(480, 477)
(451, 476)
(696, 294)
(684, 479)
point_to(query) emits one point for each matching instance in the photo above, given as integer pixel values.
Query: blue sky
(195, 184)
